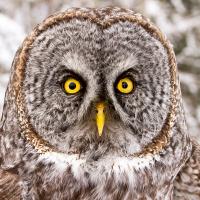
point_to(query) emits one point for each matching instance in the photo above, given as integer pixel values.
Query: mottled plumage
(49, 139)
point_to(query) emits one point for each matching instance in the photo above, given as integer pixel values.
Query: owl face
(95, 90)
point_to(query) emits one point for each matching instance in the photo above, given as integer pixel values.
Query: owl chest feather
(68, 177)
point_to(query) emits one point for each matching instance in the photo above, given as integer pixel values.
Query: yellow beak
(100, 117)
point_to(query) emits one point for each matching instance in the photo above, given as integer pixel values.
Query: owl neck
(139, 178)
(111, 177)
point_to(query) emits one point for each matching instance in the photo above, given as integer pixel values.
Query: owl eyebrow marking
(129, 71)
(125, 66)
(73, 74)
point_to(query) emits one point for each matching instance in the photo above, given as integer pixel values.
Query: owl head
(89, 82)
(98, 83)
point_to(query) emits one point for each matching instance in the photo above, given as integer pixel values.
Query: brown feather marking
(188, 180)
(9, 186)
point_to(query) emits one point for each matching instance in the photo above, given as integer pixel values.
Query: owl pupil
(72, 86)
(124, 85)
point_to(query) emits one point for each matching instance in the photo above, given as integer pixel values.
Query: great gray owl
(93, 111)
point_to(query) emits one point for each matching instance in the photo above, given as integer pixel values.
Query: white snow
(190, 81)
(11, 36)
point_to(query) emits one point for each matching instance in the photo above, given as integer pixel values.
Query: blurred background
(178, 19)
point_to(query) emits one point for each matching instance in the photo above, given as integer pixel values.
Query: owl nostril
(99, 111)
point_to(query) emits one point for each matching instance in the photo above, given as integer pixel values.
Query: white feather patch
(101, 169)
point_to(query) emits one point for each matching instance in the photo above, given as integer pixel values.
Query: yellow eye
(72, 86)
(125, 85)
